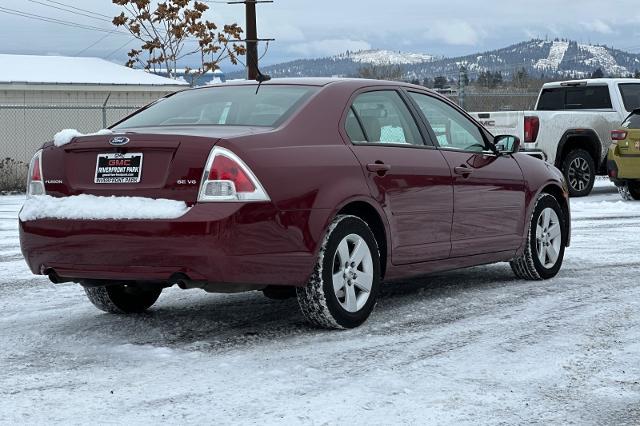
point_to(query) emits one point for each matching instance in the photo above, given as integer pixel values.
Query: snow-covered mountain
(558, 58)
(386, 57)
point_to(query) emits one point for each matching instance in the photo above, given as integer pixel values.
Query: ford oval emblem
(119, 140)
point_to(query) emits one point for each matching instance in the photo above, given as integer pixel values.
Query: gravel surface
(467, 347)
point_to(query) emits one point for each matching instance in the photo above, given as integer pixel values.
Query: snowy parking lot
(465, 347)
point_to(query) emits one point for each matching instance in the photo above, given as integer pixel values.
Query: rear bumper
(223, 243)
(622, 166)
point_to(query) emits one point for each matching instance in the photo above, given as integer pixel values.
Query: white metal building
(40, 95)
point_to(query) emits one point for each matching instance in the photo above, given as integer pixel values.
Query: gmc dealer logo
(119, 163)
(119, 140)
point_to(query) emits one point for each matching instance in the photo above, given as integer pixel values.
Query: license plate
(118, 168)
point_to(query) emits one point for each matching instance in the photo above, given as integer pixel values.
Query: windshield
(633, 121)
(630, 96)
(223, 106)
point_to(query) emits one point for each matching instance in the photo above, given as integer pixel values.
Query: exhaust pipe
(55, 278)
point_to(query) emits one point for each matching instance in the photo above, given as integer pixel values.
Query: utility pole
(252, 40)
(462, 85)
(253, 72)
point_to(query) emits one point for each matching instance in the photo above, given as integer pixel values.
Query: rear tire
(122, 298)
(546, 241)
(343, 289)
(630, 191)
(579, 170)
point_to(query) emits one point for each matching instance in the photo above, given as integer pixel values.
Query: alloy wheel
(579, 174)
(352, 273)
(548, 237)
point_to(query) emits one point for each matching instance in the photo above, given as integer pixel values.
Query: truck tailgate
(502, 122)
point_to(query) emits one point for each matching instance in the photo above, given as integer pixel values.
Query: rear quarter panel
(305, 166)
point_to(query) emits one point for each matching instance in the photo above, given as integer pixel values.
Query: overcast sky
(307, 28)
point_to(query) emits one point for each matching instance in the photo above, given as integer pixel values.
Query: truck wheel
(344, 286)
(579, 170)
(122, 298)
(630, 191)
(544, 251)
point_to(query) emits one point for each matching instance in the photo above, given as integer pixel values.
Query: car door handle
(463, 170)
(379, 168)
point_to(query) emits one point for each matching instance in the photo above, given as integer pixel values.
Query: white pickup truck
(571, 125)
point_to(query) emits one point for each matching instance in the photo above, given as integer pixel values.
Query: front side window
(384, 119)
(223, 106)
(452, 129)
(630, 96)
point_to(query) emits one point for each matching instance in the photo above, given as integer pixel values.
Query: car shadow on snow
(193, 320)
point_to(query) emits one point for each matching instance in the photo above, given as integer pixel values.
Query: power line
(70, 11)
(92, 44)
(57, 21)
(80, 9)
(116, 50)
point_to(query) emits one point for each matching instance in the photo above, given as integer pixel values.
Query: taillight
(531, 129)
(619, 135)
(227, 178)
(35, 183)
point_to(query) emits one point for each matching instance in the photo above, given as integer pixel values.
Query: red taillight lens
(227, 178)
(35, 184)
(531, 129)
(224, 168)
(619, 135)
(36, 176)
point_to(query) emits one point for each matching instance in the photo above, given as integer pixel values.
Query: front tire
(630, 190)
(122, 298)
(546, 241)
(343, 289)
(579, 170)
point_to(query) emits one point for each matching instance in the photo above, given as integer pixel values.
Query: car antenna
(261, 78)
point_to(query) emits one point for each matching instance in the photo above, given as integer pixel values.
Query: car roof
(591, 82)
(317, 81)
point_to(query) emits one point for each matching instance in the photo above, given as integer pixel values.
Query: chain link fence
(24, 128)
(496, 101)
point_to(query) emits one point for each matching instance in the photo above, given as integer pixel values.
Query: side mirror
(507, 144)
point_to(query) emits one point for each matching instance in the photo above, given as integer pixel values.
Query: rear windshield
(223, 106)
(575, 98)
(630, 96)
(633, 121)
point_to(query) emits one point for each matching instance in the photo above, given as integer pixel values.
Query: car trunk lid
(148, 165)
(631, 145)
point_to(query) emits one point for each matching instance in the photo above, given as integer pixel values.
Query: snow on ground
(602, 58)
(556, 55)
(467, 347)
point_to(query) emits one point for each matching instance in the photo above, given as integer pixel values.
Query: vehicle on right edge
(623, 161)
(571, 125)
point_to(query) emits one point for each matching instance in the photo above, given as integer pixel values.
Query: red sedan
(318, 188)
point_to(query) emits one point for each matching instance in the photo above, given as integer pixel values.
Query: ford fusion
(312, 188)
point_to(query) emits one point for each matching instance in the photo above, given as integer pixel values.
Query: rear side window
(575, 98)
(630, 96)
(632, 122)
(385, 119)
(224, 106)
